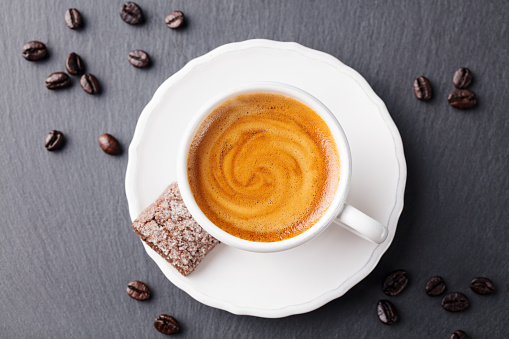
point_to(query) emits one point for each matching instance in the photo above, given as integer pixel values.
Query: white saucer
(304, 278)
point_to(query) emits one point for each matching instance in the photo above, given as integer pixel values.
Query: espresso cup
(338, 212)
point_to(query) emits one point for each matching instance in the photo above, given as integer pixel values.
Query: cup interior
(343, 148)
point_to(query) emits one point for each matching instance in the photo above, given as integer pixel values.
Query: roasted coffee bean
(455, 302)
(386, 312)
(166, 324)
(462, 99)
(54, 140)
(462, 77)
(174, 20)
(435, 286)
(89, 83)
(58, 80)
(483, 286)
(109, 144)
(34, 50)
(73, 18)
(395, 283)
(131, 13)
(422, 88)
(138, 290)
(74, 64)
(138, 58)
(459, 334)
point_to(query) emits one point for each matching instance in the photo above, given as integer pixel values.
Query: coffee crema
(263, 167)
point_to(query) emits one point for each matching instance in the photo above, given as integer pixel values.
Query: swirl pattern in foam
(263, 167)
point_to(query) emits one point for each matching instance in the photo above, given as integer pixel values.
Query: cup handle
(362, 225)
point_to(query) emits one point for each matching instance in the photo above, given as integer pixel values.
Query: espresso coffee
(263, 167)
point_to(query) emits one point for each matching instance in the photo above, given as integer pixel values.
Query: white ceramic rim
(332, 211)
(341, 289)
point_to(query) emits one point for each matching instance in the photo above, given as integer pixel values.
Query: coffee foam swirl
(263, 167)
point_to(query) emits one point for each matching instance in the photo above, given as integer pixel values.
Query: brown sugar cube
(170, 230)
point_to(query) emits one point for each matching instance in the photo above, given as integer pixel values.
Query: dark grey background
(67, 250)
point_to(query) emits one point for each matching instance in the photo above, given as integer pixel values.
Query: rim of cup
(306, 98)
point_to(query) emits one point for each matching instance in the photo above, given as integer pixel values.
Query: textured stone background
(66, 246)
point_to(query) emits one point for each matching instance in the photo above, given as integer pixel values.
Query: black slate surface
(67, 250)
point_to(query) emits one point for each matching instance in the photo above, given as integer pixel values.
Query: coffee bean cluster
(132, 14)
(164, 323)
(461, 98)
(393, 285)
(396, 282)
(36, 50)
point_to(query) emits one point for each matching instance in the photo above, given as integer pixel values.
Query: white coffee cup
(339, 212)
